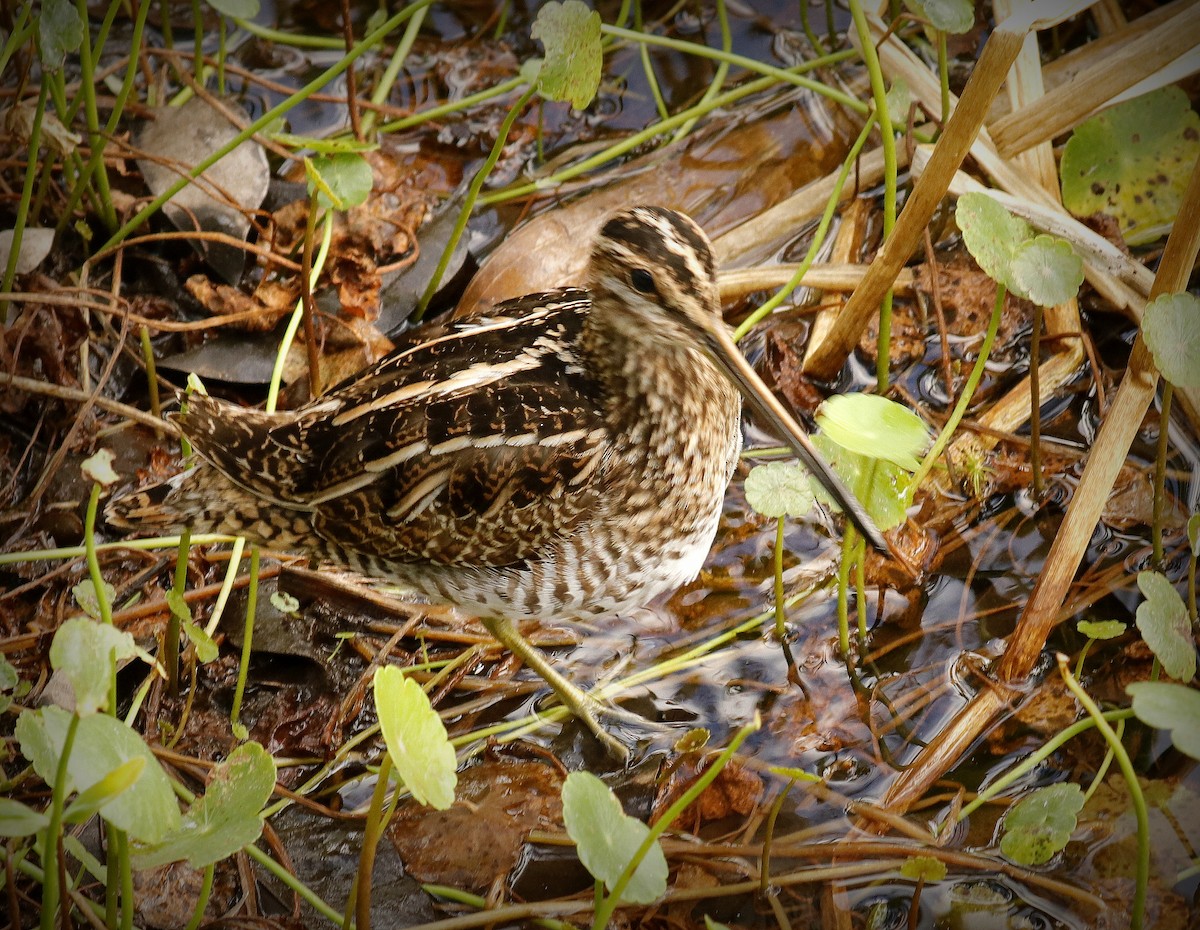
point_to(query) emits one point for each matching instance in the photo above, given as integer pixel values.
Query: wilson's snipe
(566, 457)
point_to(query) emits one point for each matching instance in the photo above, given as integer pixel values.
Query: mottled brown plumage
(566, 457)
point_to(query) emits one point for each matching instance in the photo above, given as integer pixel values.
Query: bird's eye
(641, 279)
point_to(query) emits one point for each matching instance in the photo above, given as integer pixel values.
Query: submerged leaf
(1038, 826)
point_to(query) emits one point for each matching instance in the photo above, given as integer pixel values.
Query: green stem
(202, 901)
(818, 238)
(447, 109)
(31, 172)
(384, 87)
(943, 74)
(289, 333)
(888, 140)
(1101, 772)
(780, 614)
(369, 41)
(1160, 471)
(95, 139)
(1031, 762)
(358, 906)
(964, 400)
(784, 75)
(247, 640)
(95, 161)
(1035, 402)
(124, 868)
(293, 884)
(606, 909)
(23, 30)
(1135, 792)
(808, 30)
(464, 214)
(50, 889)
(197, 41)
(718, 80)
(843, 595)
(151, 373)
(179, 586)
(640, 138)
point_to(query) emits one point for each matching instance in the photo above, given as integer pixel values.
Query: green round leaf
(1047, 271)
(342, 180)
(924, 867)
(1193, 533)
(60, 30)
(606, 838)
(779, 489)
(899, 99)
(1163, 621)
(85, 651)
(875, 427)
(1169, 707)
(1040, 824)
(1133, 161)
(1101, 629)
(954, 16)
(85, 596)
(570, 32)
(147, 810)
(415, 738)
(284, 602)
(992, 234)
(1171, 328)
(227, 818)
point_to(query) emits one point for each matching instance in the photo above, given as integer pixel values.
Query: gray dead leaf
(35, 246)
(222, 199)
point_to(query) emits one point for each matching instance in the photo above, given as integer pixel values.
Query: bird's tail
(185, 501)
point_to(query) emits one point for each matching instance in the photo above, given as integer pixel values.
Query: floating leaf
(342, 180)
(779, 489)
(415, 738)
(1039, 825)
(17, 819)
(1047, 271)
(607, 838)
(147, 811)
(923, 868)
(85, 651)
(236, 9)
(1133, 161)
(1171, 328)
(98, 467)
(570, 33)
(60, 30)
(992, 234)
(1170, 707)
(1101, 629)
(1163, 621)
(875, 427)
(226, 818)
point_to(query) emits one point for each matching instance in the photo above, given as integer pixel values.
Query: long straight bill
(775, 415)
